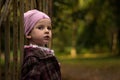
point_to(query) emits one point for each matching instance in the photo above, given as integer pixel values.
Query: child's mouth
(47, 38)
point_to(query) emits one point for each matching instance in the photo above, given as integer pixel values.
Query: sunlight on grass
(86, 55)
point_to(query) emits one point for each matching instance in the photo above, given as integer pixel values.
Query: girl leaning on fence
(39, 62)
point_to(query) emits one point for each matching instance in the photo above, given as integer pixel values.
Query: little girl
(39, 62)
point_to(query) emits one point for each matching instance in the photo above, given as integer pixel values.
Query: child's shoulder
(29, 50)
(27, 47)
(40, 52)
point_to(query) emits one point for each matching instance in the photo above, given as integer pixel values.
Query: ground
(90, 69)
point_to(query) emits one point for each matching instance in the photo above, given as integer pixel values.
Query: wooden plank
(0, 53)
(27, 5)
(15, 40)
(41, 5)
(7, 49)
(50, 14)
(0, 41)
(31, 4)
(4, 13)
(46, 6)
(21, 34)
(21, 29)
(50, 8)
(34, 4)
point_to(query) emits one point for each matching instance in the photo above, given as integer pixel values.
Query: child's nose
(46, 30)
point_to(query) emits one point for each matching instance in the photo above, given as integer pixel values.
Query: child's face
(41, 33)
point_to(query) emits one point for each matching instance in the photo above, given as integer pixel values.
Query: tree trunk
(114, 42)
(73, 50)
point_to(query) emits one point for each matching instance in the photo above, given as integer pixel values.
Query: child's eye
(49, 28)
(41, 27)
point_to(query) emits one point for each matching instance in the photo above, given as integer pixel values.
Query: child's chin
(46, 42)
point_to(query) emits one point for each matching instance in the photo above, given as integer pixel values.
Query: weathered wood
(50, 14)
(40, 5)
(0, 52)
(0, 40)
(37, 3)
(50, 8)
(7, 49)
(21, 34)
(15, 40)
(21, 30)
(34, 4)
(5, 10)
(44, 6)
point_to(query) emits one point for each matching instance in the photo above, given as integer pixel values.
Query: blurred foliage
(96, 20)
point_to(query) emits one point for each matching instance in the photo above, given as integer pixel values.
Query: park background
(86, 39)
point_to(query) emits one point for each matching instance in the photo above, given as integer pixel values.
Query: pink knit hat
(31, 17)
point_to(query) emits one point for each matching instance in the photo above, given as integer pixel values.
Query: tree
(94, 25)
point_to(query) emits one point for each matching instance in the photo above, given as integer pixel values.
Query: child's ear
(28, 37)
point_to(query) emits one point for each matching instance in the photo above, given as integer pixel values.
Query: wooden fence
(12, 34)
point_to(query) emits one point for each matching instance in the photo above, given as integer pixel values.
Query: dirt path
(80, 72)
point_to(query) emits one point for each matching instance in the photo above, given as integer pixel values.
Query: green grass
(92, 61)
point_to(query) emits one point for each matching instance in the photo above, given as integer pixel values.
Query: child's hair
(31, 17)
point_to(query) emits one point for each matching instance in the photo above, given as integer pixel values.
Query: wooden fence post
(50, 14)
(0, 40)
(21, 34)
(7, 49)
(0, 53)
(15, 40)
